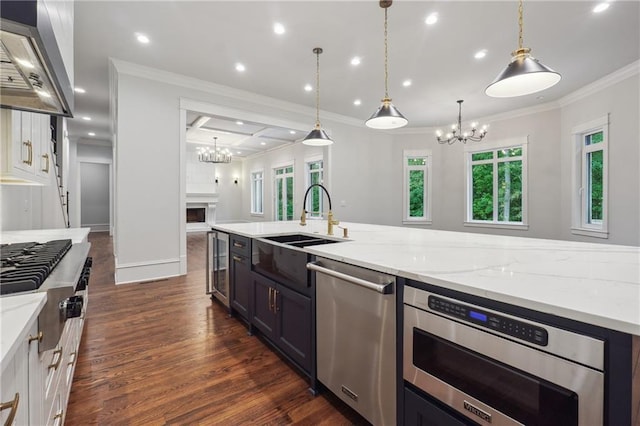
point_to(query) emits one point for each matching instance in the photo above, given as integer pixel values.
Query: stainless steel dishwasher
(356, 337)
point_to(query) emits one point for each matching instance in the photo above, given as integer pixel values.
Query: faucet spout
(303, 217)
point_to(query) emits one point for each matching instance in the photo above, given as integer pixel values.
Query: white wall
(363, 167)
(94, 196)
(621, 101)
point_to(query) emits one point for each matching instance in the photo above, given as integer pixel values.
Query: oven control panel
(506, 325)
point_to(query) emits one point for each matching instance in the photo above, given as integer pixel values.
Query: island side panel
(635, 397)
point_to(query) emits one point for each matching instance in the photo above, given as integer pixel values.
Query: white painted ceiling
(205, 39)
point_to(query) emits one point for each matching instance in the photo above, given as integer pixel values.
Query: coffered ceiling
(207, 39)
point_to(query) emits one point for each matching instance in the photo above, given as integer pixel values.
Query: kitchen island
(590, 292)
(596, 284)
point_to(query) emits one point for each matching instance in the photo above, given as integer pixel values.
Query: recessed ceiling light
(86, 118)
(357, 102)
(263, 143)
(239, 123)
(480, 54)
(278, 28)
(355, 60)
(79, 90)
(25, 63)
(308, 88)
(240, 67)
(407, 83)
(239, 152)
(91, 134)
(601, 7)
(431, 19)
(293, 132)
(142, 38)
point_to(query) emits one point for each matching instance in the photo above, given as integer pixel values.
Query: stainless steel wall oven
(494, 368)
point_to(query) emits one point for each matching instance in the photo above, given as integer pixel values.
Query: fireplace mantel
(206, 200)
(202, 197)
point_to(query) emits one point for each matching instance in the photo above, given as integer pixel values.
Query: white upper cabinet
(26, 148)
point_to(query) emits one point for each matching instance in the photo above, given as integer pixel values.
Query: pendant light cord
(520, 25)
(386, 62)
(318, 89)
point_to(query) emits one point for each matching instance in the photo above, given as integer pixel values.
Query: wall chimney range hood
(33, 76)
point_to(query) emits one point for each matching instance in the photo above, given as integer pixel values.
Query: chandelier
(457, 134)
(215, 155)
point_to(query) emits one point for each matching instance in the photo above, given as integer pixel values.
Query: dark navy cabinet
(240, 275)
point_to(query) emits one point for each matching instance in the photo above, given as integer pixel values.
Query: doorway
(94, 196)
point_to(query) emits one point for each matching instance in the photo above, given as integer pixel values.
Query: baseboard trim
(147, 271)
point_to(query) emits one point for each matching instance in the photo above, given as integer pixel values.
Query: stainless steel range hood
(33, 76)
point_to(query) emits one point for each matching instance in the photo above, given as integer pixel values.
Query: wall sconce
(216, 179)
(235, 180)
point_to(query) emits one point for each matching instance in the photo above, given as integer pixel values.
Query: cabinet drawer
(240, 245)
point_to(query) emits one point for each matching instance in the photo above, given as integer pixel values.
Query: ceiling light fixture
(215, 155)
(142, 38)
(86, 118)
(600, 7)
(357, 102)
(278, 28)
(431, 19)
(240, 67)
(293, 132)
(387, 116)
(308, 88)
(407, 83)
(239, 123)
(355, 61)
(480, 54)
(524, 74)
(317, 137)
(91, 134)
(79, 90)
(457, 134)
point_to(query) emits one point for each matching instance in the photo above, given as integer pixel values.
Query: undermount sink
(301, 240)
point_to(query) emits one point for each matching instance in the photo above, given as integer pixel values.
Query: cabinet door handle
(29, 159)
(37, 337)
(238, 245)
(14, 408)
(270, 299)
(237, 258)
(56, 364)
(46, 157)
(75, 356)
(58, 417)
(275, 301)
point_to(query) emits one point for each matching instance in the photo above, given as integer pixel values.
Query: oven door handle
(380, 288)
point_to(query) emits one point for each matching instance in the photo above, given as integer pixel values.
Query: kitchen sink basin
(301, 240)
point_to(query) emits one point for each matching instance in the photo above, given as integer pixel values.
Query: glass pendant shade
(386, 117)
(523, 76)
(317, 137)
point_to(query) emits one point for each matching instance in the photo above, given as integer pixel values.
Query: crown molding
(601, 84)
(136, 70)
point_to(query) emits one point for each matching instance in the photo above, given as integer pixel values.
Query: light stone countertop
(16, 312)
(77, 235)
(593, 283)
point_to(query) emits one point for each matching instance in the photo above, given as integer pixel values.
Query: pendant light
(387, 116)
(524, 74)
(317, 137)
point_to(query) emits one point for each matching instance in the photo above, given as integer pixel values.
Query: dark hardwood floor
(163, 353)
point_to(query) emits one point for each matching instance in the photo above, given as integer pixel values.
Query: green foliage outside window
(482, 175)
(596, 195)
(416, 193)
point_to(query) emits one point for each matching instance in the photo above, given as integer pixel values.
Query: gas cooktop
(25, 266)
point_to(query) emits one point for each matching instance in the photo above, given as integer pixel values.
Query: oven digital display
(478, 316)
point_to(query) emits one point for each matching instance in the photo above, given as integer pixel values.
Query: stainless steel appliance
(356, 337)
(218, 266)
(59, 268)
(499, 369)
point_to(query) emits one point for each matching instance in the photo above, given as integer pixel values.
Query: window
(315, 202)
(417, 187)
(284, 193)
(590, 178)
(496, 184)
(257, 192)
